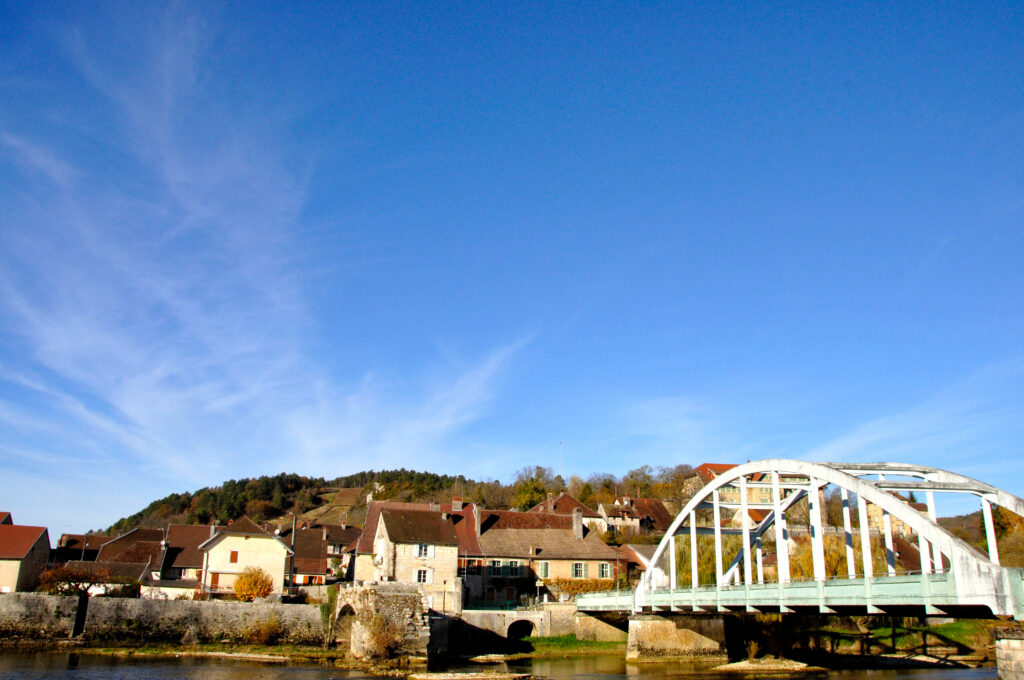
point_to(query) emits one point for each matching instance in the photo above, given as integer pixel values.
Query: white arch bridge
(954, 578)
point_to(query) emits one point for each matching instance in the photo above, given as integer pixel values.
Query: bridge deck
(931, 594)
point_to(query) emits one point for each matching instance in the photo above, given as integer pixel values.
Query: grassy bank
(566, 645)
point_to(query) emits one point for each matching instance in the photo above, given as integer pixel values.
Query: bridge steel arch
(976, 581)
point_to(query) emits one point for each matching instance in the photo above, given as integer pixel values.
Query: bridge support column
(652, 635)
(1010, 653)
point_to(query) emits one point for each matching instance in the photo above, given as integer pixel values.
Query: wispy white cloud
(156, 303)
(965, 427)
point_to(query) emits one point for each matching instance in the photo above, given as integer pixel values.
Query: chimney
(344, 525)
(456, 503)
(213, 529)
(476, 520)
(577, 523)
(551, 502)
(325, 533)
(294, 520)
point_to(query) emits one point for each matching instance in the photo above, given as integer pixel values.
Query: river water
(65, 666)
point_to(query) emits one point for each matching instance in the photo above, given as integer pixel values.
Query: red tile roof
(419, 526)
(109, 551)
(142, 551)
(465, 528)
(506, 519)
(5, 518)
(708, 471)
(183, 541)
(310, 552)
(17, 540)
(564, 504)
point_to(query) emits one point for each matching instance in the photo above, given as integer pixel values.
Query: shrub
(385, 635)
(266, 632)
(577, 586)
(253, 583)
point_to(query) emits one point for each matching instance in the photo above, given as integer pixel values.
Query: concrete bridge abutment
(654, 635)
(1010, 653)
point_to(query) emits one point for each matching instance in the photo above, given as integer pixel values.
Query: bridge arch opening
(519, 630)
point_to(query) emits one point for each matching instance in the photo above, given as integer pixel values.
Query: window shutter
(430, 574)
(586, 570)
(430, 551)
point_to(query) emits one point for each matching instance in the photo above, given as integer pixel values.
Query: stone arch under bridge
(975, 580)
(397, 609)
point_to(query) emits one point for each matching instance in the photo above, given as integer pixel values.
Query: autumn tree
(72, 579)
(253, 583)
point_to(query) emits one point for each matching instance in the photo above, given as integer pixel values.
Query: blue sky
(240, 240)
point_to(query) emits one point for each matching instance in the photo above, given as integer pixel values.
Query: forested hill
(316, 498)
(265, 498)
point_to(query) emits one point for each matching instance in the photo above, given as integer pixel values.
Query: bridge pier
(1010, 653)
(653, 635)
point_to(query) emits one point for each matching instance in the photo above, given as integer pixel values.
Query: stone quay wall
(39, 617)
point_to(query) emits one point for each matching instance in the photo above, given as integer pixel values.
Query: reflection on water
(601, 667)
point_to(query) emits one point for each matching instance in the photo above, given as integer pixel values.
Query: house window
(234, 557)
(423, 550)
(495, 567)
(604, 570)
(543, 569)
(579, 570)
(474, 568)
(513, 568)
(422, 576)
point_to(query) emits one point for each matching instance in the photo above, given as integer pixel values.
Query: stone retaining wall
(39, 616)
(36, 616)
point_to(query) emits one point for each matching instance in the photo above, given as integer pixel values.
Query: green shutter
(586, 570)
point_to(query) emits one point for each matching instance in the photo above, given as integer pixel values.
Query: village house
(525, 553)
(636, 515)
(564, 504)
(412, 543)
(239, 545)
(636, 557)
(323, 553)
(24, 552)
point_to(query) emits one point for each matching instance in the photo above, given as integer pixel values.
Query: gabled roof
(5, 517)
(78, 547)
(310, 551)
(183, 541)
(464, 521)
(83, 541)
(127, 572)
(661, 518)
(241, 527)
(564, 504)
(506, 519)
(639, 553)
(17, 540)
(708, 471)
(419, 526)
(110, 549)
(373, 510)
(538, 535)
(544, 544)
(141, 551)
